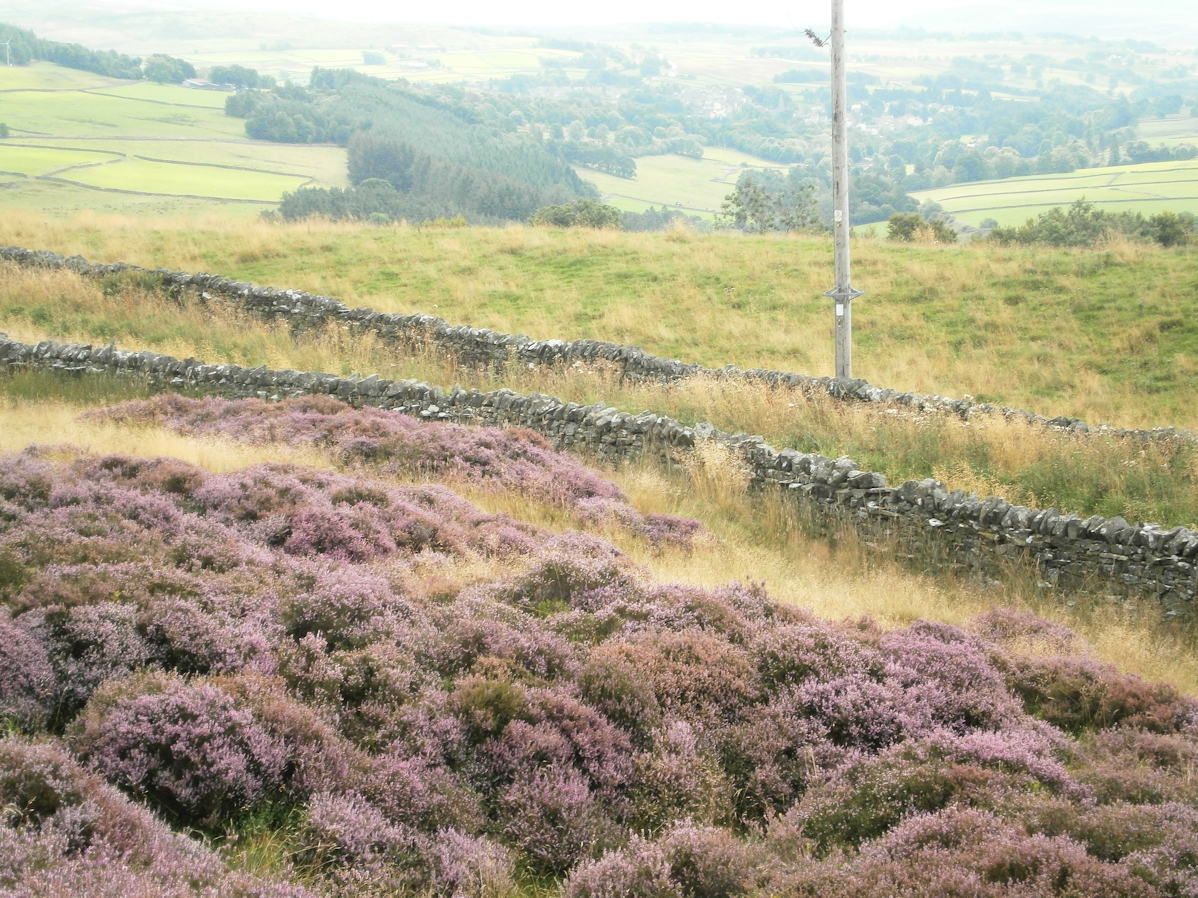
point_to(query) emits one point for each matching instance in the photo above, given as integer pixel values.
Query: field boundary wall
(986, 537)
(480, 347)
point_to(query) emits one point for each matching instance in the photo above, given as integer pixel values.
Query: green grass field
(34, 161)
(183, 179)
(1148, 188)
(167, 142)
(173, 94)
(694, 186)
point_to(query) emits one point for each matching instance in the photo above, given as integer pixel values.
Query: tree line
(23, 47)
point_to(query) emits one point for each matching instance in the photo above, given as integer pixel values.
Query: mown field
(83, 141)
(694, 186)
(1148, 188)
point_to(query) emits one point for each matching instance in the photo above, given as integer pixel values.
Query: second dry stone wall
(486, 348)
(1108, 555)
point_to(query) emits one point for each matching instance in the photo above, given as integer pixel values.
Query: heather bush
(87, 645)
(694, 675)
(284, 643)
(511, 459)
(574, 572)
(27, 682)
(791, 654)
(1023, 629)
(188, 748)
(952, 674)
(865, 798)
(965, 853)
(487, 647)
(679, 779)
(347, 607)
(552, 817)
(1078, 694)
(771, 755)
(638, 871)
(349, 840)
(469, 867)
(686, 862)
(1129, 765)
(135, 583)
(558, 730)
(66, 833)
(619, 691)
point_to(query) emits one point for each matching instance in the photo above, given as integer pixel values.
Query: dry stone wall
(486, 348)
(986, 536)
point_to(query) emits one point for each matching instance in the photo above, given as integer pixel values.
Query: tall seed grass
(1108, 334)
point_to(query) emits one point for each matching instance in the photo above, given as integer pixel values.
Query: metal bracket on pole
(843, 298)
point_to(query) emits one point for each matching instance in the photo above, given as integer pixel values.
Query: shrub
(789, 655)
(553, 818)
(694, 675)
(679, 780)
(66, 833)
(87, 645)
(960, 852)
(27, 682)
(1079, 694)
(187, 748)
(686, 862)
(864, 799)
(952, 674)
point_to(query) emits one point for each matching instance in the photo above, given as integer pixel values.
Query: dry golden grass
(1026, 464)
(1058, 331)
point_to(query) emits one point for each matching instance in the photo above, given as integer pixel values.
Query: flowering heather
(511, 459)
(282, 644)
(66, 833)
(27, 683)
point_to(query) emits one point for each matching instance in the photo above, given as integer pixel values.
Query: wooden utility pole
(843, 293)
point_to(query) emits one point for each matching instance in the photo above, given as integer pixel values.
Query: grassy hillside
(83, 141)
(1108, 336)
(1148, 188)
(694, 186)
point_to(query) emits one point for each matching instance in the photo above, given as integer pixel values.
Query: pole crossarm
(847, 295)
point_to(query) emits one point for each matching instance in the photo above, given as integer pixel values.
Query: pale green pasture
(54, 199)
(692, 185)
(1149, 188)
(323, 164)
(34, 161)
(1169, 131)
(178, 179)
(47, 76)
(78, 114)
(168, 93)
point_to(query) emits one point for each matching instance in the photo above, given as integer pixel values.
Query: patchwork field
(1152, 187)
(118, 146)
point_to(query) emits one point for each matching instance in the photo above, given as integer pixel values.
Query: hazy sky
(544, 12)
(1172, 21)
